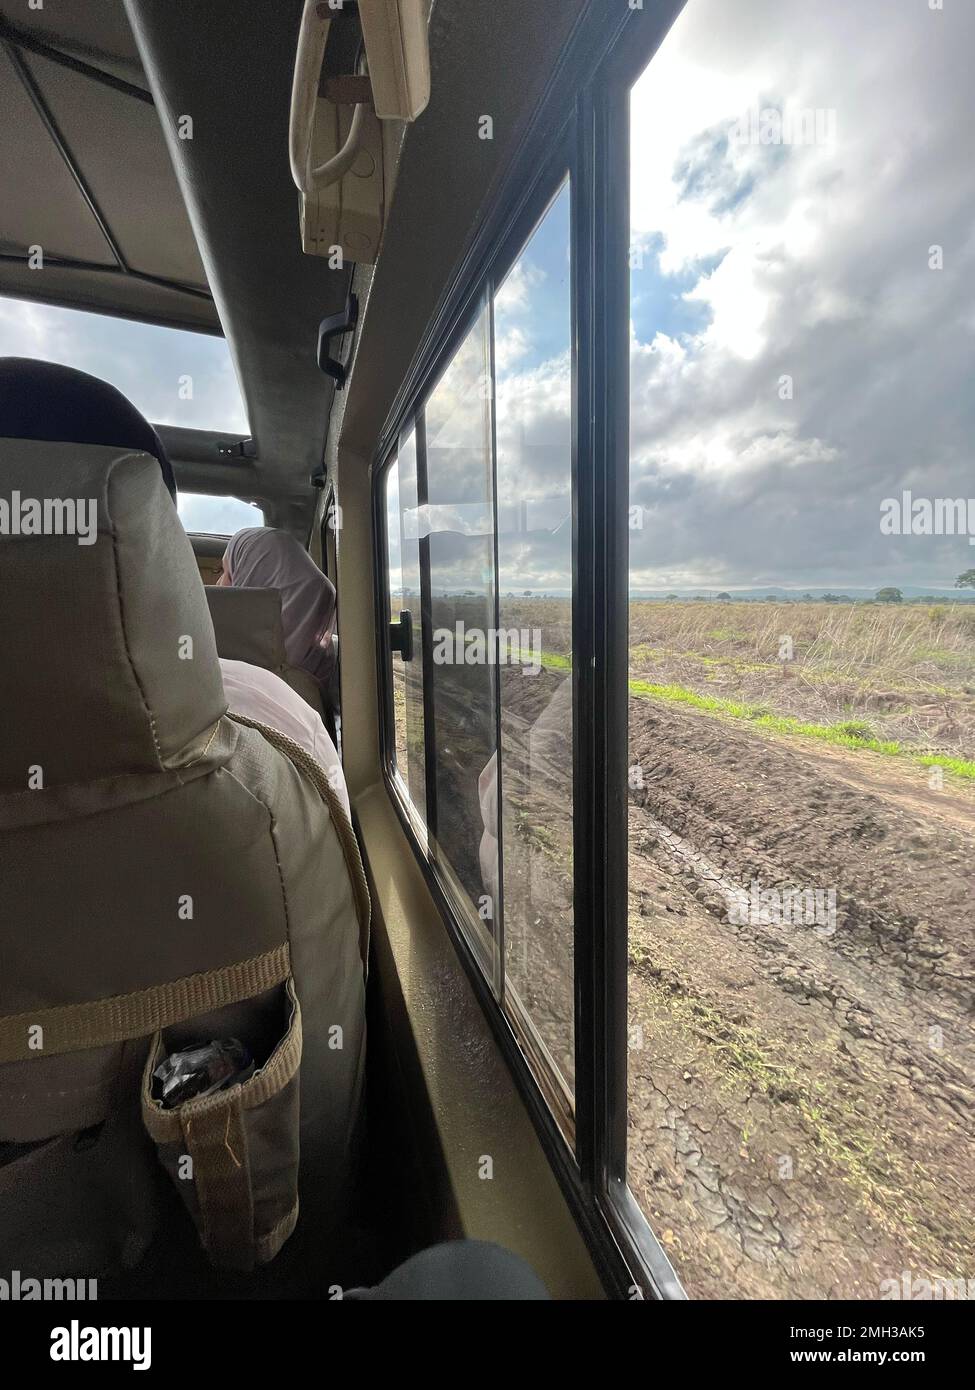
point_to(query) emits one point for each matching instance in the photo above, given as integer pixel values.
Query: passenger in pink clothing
(260, 557)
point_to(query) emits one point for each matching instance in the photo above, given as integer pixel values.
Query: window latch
(401, 635)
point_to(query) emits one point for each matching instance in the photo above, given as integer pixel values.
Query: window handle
(401, 635)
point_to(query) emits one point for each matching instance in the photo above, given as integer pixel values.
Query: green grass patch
(849, 734)
(552, 661)
(961, 767)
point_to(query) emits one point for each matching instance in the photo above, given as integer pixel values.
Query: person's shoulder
(261, 694)
(244, 672)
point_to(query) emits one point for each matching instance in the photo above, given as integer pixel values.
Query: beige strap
(73, 1027)
(317, 775)
(213, 1131)
(267, 1246)
(216, 1141)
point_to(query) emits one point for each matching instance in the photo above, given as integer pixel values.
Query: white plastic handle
(312, 38)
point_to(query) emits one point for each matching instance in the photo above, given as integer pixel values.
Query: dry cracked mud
(800, 1100)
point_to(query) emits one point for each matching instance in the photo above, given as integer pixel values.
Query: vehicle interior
(203, 235)
(390, 243)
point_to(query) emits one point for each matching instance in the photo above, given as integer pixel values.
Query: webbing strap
(236, 1165)
(217, 1143)
(74, 1027)
(317, 775)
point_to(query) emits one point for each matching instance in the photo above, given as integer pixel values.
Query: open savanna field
(800, 1090)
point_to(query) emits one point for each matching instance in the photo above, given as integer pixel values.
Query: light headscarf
(260, 557)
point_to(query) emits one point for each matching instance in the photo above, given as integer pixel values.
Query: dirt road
(800, 1093)
(800, 1097)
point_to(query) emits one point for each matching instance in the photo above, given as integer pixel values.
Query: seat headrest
(247, 625)
(46, 400)
(109, 664)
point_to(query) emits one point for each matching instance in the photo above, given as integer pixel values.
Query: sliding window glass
(458, 521)
(405, 608)
(802, 650)
(478, 509)
(533, 370)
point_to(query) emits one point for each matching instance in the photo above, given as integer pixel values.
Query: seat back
(247, 626)
(167, 877)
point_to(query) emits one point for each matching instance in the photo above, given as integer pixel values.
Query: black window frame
(326, 526)
(581, 130)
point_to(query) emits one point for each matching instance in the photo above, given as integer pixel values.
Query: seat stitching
(274, 843)
(121, 605)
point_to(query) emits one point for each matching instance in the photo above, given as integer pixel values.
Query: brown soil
(798, 1126)
(800, 1102)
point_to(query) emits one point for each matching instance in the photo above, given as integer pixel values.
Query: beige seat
(167, 877)
(247, 627)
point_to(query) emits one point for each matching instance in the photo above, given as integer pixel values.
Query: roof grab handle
(397, 51)
(316, 21)
(335, 326)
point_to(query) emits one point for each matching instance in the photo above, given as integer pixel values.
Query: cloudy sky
(795, 360)
(761, 261)
(174, 378)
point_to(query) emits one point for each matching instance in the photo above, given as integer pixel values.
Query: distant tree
(527, 593)
(670, 597)
(808, 598)
(889, 595)
(831, 598)
(966, 580)
(726, 598)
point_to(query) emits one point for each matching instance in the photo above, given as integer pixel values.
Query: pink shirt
(261, 695)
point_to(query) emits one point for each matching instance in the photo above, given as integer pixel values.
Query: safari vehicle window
(479, 547)
(725, 497)
(174, 377)
(217, 516)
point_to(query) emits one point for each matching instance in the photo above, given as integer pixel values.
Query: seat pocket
(233, 1155)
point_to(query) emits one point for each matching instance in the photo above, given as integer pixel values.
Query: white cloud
(808, 262)
(173, 377)
(514, 294)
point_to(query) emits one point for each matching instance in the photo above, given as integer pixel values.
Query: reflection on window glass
(802, 652)
(532, 350)
(172, 376)
(216, 516)
(402, 530)
(397, 605)
(479, 509)
(458, 523)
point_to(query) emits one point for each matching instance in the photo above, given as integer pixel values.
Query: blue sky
(173, 377)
